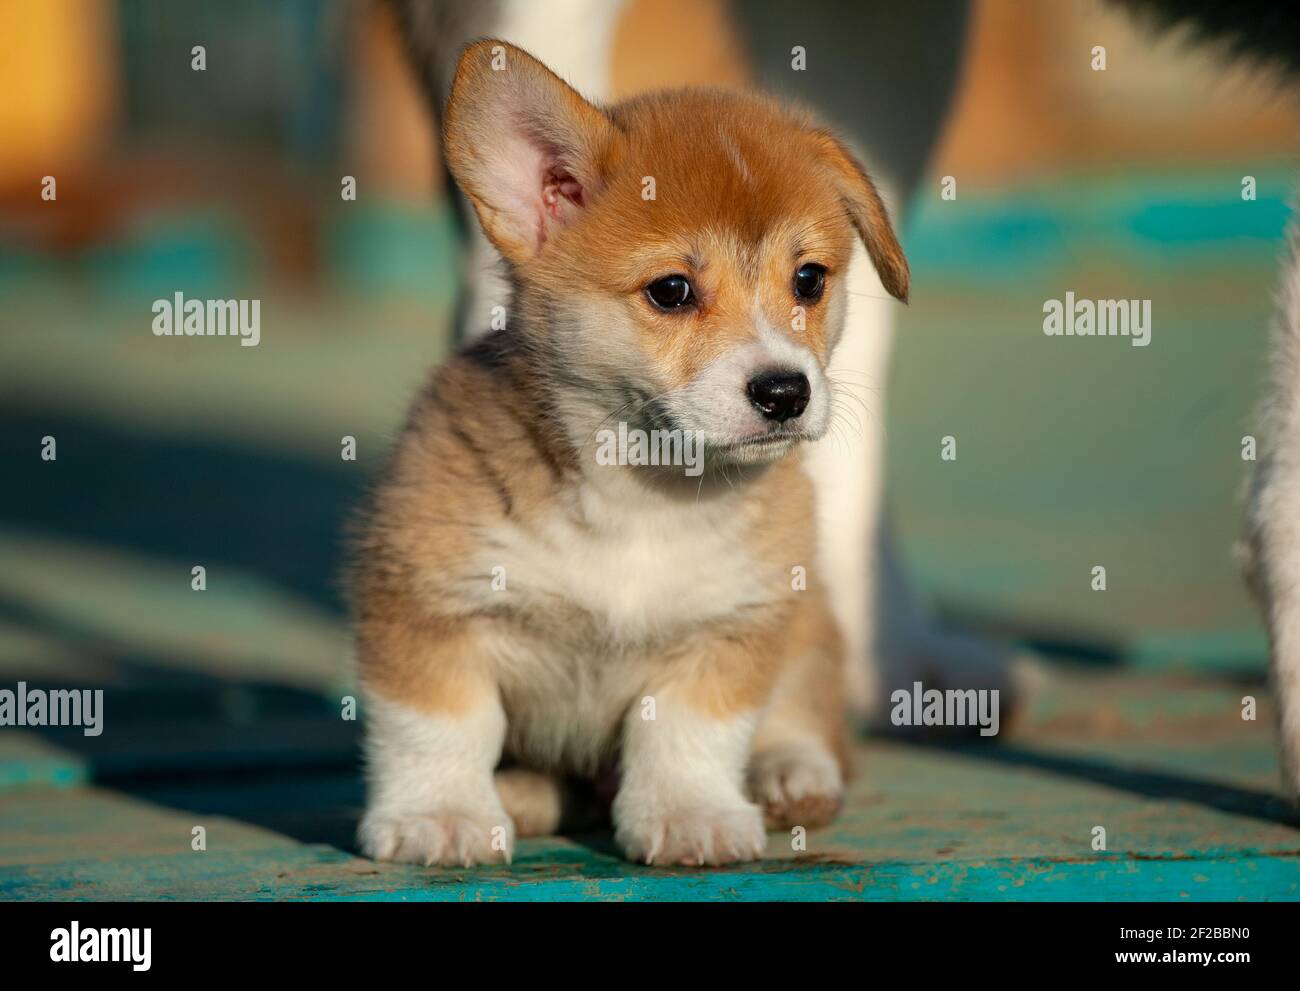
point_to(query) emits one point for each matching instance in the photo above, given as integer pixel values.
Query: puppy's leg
(681, 798)
(429, 758)
(543, 804)
(1273, 519)
(800, 752)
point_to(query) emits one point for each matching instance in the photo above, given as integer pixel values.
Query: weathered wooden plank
(317, 872)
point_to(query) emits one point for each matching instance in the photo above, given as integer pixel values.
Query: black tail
(1263, 31)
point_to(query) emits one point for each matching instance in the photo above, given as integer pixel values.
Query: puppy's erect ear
(867, 212)
(528, 151)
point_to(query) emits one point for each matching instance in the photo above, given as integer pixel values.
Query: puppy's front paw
(449, 838)
(706, 832)
(797, 784)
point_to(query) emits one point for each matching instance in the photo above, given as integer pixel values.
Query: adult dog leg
(1273, 518)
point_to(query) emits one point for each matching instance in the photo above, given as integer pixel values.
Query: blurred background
(226, 182)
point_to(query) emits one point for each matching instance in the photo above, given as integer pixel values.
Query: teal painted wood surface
(321, 873)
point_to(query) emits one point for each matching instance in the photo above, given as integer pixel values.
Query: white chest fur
(607, 582)
(643, 568)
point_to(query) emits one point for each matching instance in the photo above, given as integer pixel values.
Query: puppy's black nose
(780, 396)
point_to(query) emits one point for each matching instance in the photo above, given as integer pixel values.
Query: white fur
(796, 769)
(573, 37)
(781, 351)
(430, 798)
(663, 816)
(646, 565)
(1273, 516)
(736, 157)
(643, 569)
(716, 403)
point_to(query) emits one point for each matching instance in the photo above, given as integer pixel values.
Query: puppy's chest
(630, 583)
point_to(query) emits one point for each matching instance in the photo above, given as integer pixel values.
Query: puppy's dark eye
(670, 293)
(809, 281)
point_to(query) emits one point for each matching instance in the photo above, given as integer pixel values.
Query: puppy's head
(680, 259)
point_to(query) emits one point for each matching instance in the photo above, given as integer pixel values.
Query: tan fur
(493, 475)
(534, 801)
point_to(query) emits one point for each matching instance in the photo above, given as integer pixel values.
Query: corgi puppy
(527, 612)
